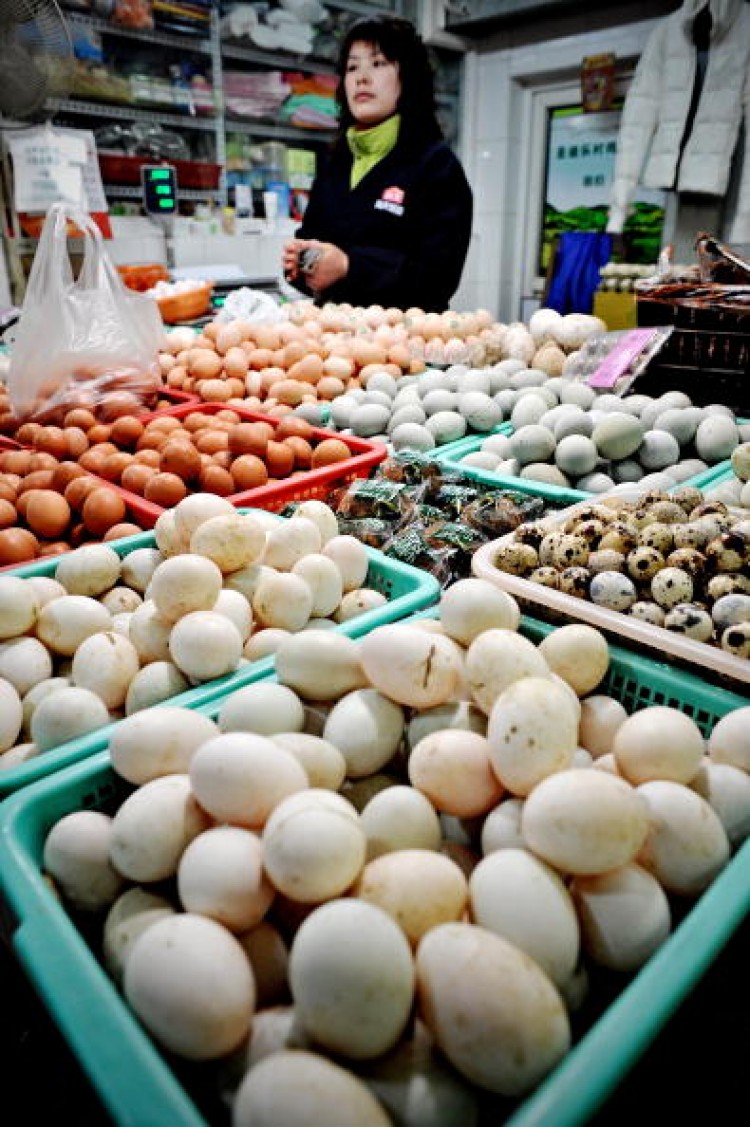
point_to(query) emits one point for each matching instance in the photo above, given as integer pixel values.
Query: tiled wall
(258, 254)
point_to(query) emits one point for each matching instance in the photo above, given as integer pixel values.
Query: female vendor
(389, 216)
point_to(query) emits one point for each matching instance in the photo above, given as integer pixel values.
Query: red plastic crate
(119, 168)
(312, 484)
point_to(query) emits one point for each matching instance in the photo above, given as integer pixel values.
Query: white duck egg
(686, 846)
(240, 777)
(624, 915)
(190, 983)
(519, 897)
(343, 955)
(262, 708)
(584, 821)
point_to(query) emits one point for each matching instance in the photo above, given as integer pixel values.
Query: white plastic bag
(78, 340)
(255, 306)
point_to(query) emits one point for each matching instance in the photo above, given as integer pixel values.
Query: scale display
(159, 184)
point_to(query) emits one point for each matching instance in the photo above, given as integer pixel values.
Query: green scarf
(368, 146)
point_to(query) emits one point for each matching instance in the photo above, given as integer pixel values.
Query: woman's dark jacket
(405, 227)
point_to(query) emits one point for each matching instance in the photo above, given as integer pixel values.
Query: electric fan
(36, 60)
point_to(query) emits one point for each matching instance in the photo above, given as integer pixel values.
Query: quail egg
(621, 536)
(546, 576)
(729, 551)
(575, 581)
(613, 590)
(690, 560)
(736, 639)
(648, 612)
(515, 558)
(606, 559)
(729, 610)
(671, 586)
(687, 497)
(643, 563)
(667, 512)
(690, 620)
(726, 584)
(657, 535)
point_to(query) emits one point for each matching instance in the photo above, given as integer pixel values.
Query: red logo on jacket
(392, 201)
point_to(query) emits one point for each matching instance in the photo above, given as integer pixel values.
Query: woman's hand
(330, 265)
(290, 258)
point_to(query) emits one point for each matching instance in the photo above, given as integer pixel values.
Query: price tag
(616, 364)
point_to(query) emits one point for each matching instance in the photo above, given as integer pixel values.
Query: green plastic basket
(407, 589)
(453, 451)
(450, 456)
(134, 1081)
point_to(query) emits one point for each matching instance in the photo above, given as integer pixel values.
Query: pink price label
(620, 358)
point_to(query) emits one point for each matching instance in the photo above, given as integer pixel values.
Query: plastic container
(312, 484)
(133, 1079)
(541, 601)
(186, 306)
(407, 588)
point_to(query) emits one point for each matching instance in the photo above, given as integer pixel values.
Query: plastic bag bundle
(79, 340)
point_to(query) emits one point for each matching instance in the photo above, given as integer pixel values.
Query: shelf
(361, 7)
(121, 112)
(276, 59)
(281, 132)
(191, 43)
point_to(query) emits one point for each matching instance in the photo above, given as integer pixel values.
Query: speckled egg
(657, 535)
(687, 497)
(729, 551)
(605, 559)
(620, 536)
(591, 530)
(648, 612)
(546, 576)
(515, 558)
(690, 560)
(575, 581)
(613, 590)
(726, 584)
(642, 564)
(671, 586)
(729, 610)
(736, 639)
(667, 512)
(690, 620)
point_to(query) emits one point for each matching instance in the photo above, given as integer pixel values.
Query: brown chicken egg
(7, 513)
(47, 513)
(248, 472)
(17, 545)
(330, 451)
(101, 509)
(165, 489)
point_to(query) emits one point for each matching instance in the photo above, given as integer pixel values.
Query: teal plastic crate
(453, 451)
(450, 457)
(407, 589)
(133, 1079)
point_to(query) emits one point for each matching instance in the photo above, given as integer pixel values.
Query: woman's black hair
(400, 42)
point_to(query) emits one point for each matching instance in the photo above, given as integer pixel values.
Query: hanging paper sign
(47, 169)
(57, 164)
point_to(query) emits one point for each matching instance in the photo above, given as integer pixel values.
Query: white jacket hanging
(656, 110)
